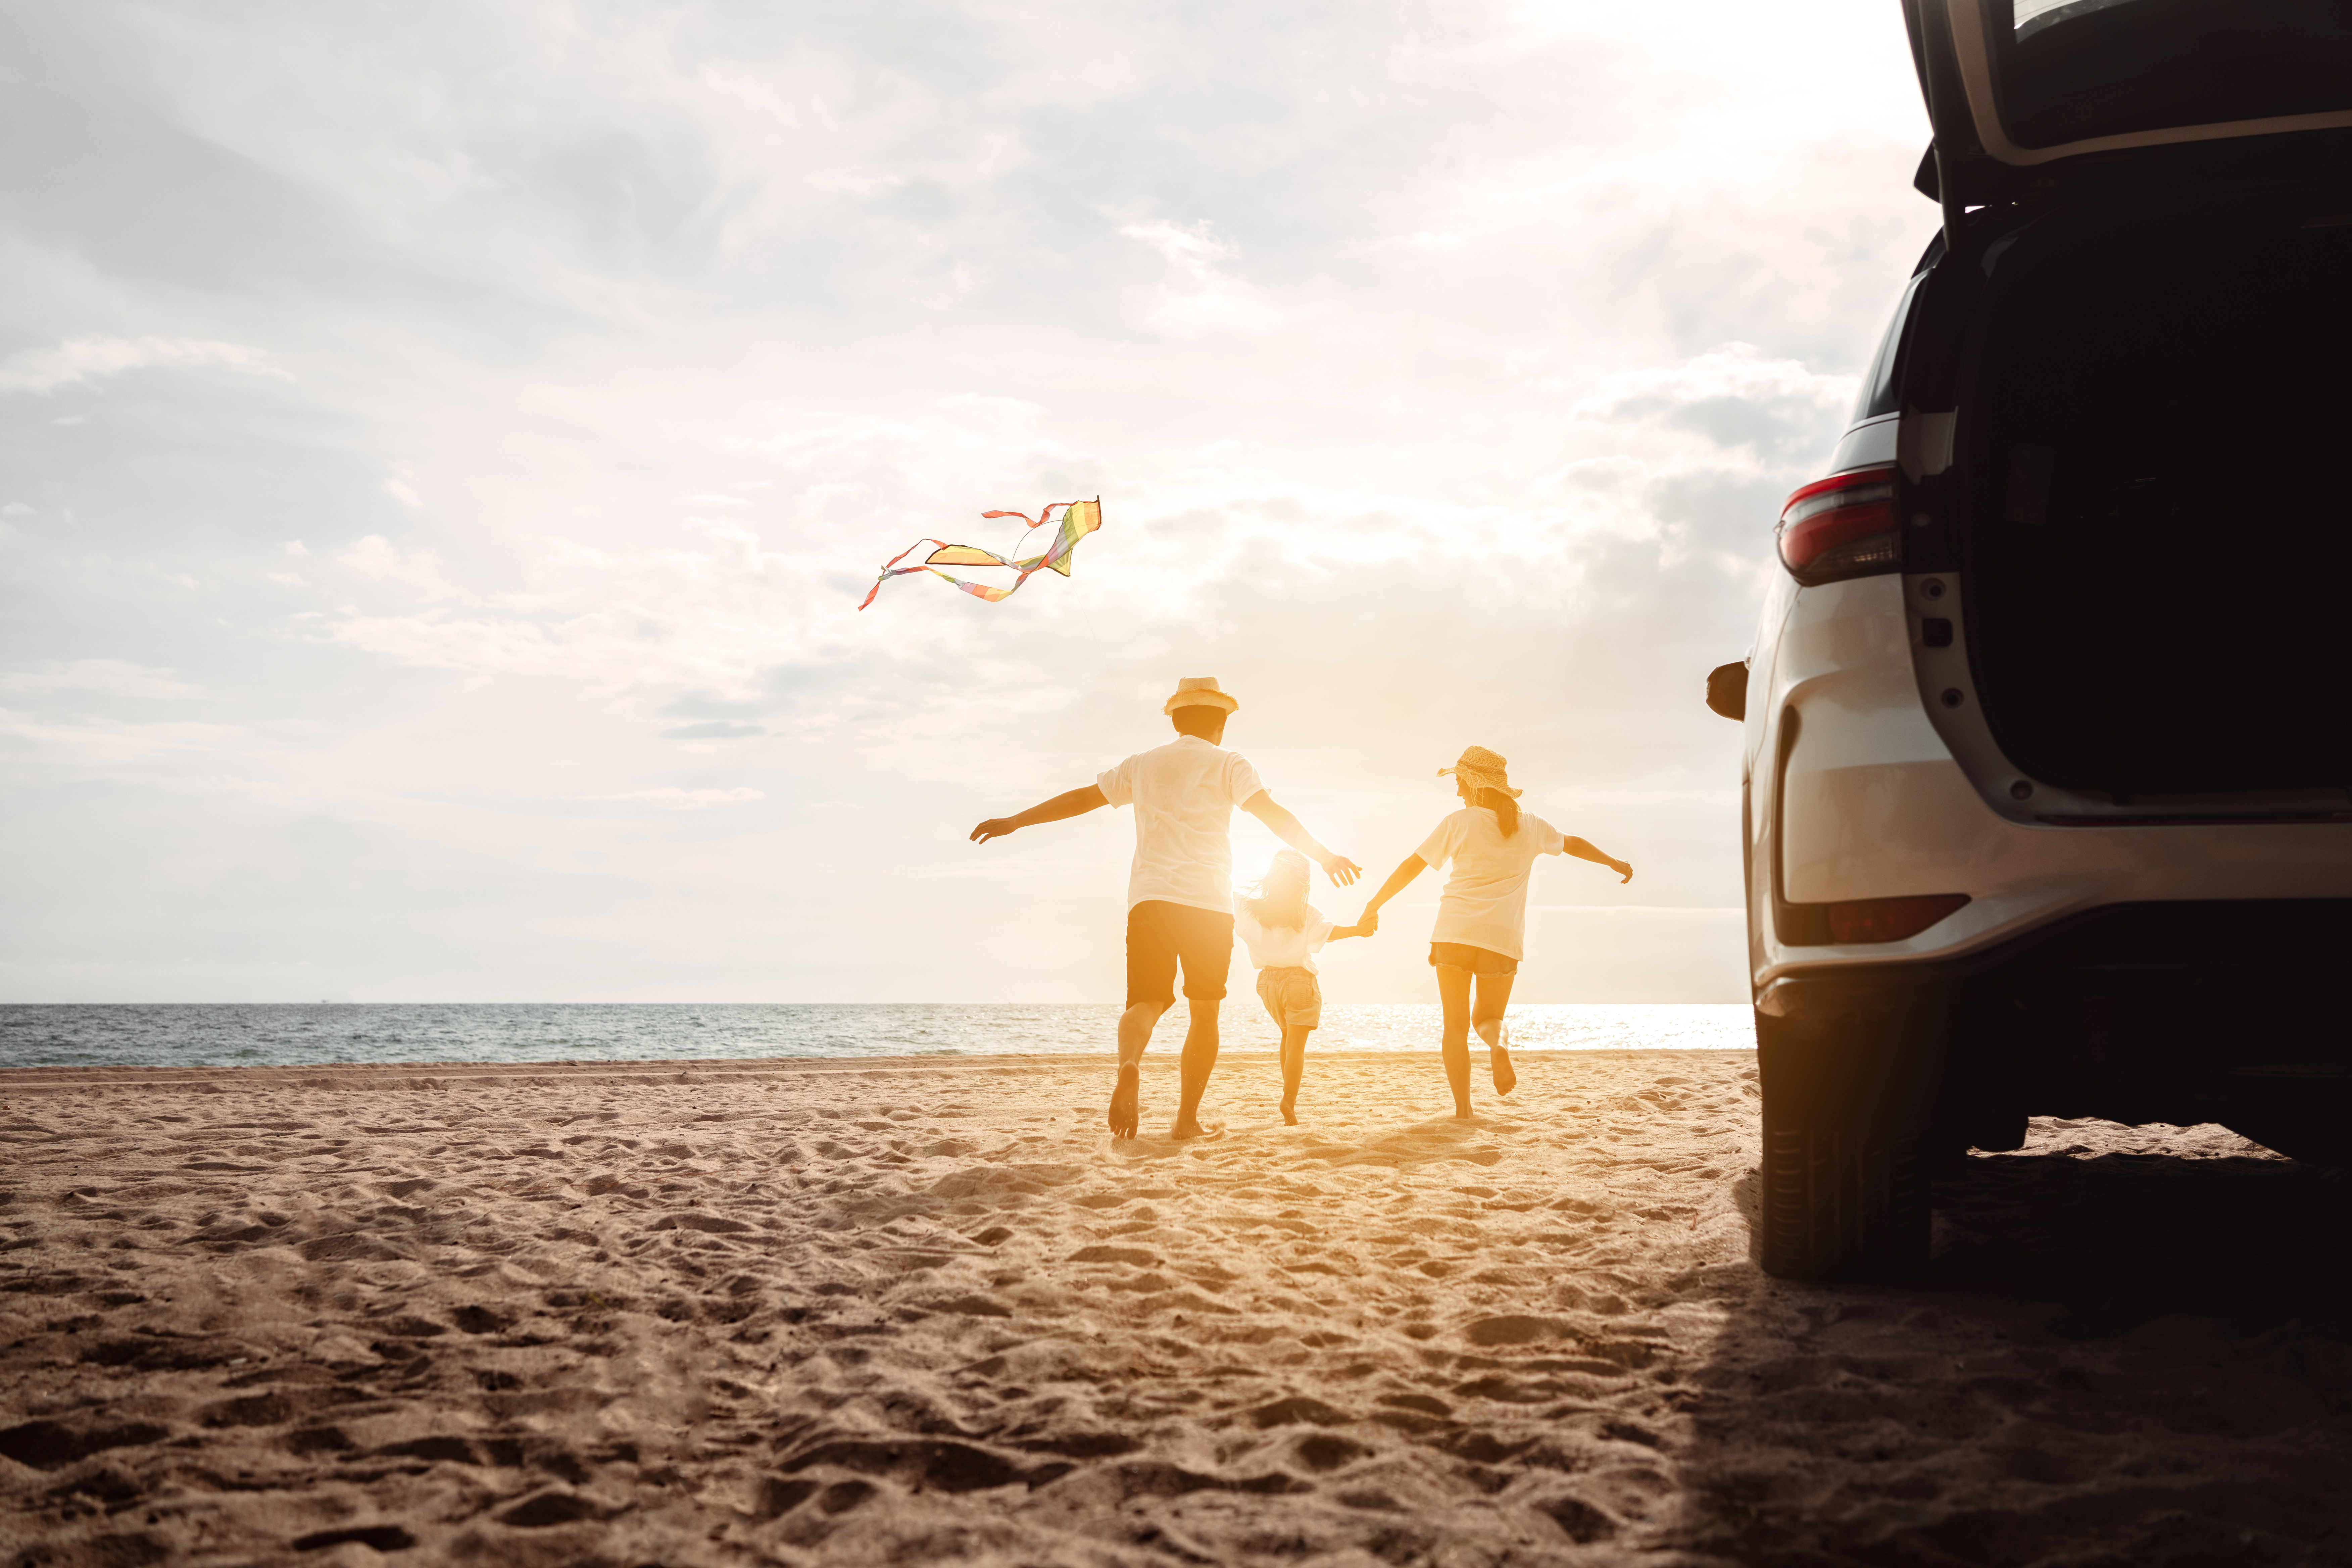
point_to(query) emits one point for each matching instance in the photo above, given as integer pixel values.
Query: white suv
(2049, 719)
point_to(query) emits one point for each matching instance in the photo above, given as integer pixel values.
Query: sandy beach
(925, 1310)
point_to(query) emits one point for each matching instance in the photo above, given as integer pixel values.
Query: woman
(1482, 920)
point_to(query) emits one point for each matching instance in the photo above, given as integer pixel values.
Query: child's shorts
(1292, 996)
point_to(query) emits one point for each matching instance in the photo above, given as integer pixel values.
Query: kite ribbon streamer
(1080, 518)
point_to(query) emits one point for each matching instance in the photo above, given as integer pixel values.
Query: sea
(313, 1035)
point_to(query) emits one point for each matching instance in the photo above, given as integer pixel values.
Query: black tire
(1841, 1205)
(1851, 1089)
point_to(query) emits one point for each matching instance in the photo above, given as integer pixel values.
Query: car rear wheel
(1849, 1092)
(1843, 1204)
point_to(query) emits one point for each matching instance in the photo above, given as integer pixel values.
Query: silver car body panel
(1893, 786)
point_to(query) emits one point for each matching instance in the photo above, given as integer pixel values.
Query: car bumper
(1862, 799)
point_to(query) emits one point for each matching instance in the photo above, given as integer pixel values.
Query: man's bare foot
(1291, 1113)
(1504, 1078)
(1125, 1102)
(1188, 1128)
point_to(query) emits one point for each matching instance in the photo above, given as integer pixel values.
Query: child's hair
(1282, 896)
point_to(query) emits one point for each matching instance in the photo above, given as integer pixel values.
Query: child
(1284, 932)
(1482, 918)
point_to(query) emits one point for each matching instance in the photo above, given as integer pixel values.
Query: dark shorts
(1160, 934)
(1477, 960)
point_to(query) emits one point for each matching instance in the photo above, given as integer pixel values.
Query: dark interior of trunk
(2159, 442)
(2094, 69)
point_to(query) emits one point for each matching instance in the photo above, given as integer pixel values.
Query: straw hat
(1482, 769)
(1199, 691)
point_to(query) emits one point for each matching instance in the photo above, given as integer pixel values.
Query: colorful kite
(1080, 518)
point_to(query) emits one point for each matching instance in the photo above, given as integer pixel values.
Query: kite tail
(887, 573)
(977, 590)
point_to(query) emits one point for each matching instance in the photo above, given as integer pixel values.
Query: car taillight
(1889, 919)
(1842, 527)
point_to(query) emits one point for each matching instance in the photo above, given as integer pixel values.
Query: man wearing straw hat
(1179, 890)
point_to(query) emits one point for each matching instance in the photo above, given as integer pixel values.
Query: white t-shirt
(1183, 793)
(1279, 947)
(1486, 900)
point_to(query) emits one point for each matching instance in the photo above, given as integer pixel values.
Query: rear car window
(1882, 383)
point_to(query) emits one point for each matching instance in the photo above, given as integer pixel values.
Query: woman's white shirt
(1485, 899)
(1280, 947)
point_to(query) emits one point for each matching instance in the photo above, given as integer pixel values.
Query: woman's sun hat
(1482, 769)
(1199, 691)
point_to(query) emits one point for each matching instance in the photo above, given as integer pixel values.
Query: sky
(442, 450)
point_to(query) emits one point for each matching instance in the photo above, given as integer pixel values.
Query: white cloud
(1204, 299)
(1663, 450)
(105, 676)
(669, 797)
(92, 359)
(1422, 242)
(1719, 394)
(401, 486)
(376, 558)
(171, 755)
(709, 612)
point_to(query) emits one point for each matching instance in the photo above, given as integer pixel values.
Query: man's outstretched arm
(1291, 831)
(1584, 850)
(1073, 803)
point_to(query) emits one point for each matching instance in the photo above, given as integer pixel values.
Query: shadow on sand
(2117, 1359)
(1469, 1140)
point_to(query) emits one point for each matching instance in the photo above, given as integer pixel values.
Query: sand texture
(925, 1311)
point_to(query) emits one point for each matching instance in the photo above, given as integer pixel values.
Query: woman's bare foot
(1290, 1112)
(1188, 1128)
(1125, 1102)
(1500, 1049)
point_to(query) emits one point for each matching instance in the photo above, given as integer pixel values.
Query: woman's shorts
(1477, 960)
(1294, 997)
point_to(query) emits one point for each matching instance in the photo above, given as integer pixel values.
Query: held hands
(1369, 921)
(1625, 869)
